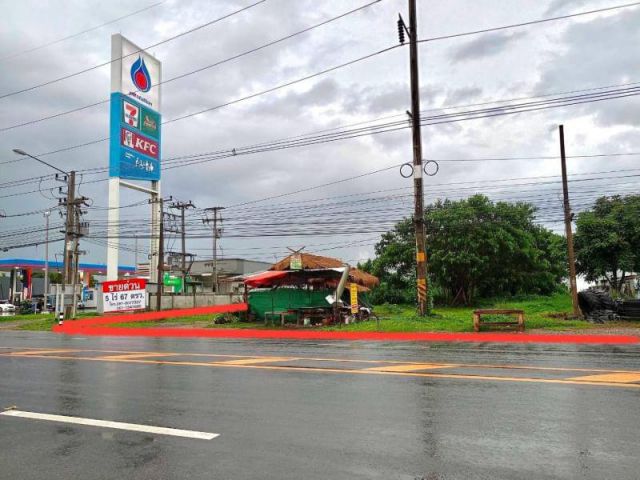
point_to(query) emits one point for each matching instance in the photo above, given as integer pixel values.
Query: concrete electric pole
(46, 257)
(217, 233)
(71, 231)
(160, 258)
(568, 218)
(182, 206)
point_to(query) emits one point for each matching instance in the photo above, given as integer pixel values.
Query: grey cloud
(385, 98)
(323, 93)
(598, 53)
(557, 6)
(460, 95)
(370, 89)
(485, 46)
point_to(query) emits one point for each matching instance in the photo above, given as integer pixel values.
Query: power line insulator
(401, 31)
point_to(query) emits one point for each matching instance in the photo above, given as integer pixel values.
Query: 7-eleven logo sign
(131, 114)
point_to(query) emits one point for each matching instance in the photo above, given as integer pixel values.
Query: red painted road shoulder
(98, 326)
(150, 316)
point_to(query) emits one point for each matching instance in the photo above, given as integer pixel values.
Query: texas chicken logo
(140, 75)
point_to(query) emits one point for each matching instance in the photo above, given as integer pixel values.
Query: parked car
(5, 306)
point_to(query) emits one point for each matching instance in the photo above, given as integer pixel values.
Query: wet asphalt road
(301, 422)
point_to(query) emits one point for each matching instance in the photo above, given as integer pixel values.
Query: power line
(68, 37)
(198, 70)
(182, 34)
(532, 22)
(444, 118)
(462, 34)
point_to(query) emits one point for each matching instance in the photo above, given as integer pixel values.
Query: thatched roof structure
(315, 262)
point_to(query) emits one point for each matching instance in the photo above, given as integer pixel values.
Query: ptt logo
(139, 143)
(140, 75)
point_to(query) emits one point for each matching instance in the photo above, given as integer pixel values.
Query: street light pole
(25, 154)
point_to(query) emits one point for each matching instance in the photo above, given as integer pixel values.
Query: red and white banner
(140, 144)
(124, 295)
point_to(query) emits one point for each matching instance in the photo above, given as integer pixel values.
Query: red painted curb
(73, 328)
(147, 316)
(95, 326)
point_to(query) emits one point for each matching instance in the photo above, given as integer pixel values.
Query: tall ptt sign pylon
(135, 145)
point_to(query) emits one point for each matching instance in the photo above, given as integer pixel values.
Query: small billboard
(124, 295)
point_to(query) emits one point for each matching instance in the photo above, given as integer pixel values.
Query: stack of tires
(629, 310)
(598, 307)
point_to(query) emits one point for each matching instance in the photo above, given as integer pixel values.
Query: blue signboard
(134, 151)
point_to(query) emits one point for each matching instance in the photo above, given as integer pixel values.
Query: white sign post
(135, 146)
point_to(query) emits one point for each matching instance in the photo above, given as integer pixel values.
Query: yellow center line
(40, 352)
(452, 376)
(611, 377)
(139, 355)
(411, 367)
(254, 360)
(247, 359)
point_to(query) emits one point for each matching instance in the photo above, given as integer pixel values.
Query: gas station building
(17, 282)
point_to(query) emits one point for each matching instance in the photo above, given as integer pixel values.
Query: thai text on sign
(353, 289)
(124, 295)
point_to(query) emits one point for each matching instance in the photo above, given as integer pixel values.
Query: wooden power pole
(568, 217)
(418, 215)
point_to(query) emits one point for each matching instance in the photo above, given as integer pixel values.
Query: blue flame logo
(140, 75)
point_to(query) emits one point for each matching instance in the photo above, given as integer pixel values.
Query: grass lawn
(403, 318)
(34, 321)
(393, 318)
(195, 321)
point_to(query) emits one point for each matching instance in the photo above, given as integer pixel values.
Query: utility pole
(418, 214)
(71, 230)
(568, 218)
(46, 257)
(182, 206)
(160, 258)
(69, 233)
(76, 260)
(135, 261)
(217, 233)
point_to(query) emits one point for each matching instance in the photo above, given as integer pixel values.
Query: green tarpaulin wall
(280, 299)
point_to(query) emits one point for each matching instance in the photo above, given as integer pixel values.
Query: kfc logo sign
(139, 143)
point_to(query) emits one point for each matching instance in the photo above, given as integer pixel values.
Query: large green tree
(607, 239)
(475, 248)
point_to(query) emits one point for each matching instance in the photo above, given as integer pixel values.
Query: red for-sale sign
(140, 144)
(123, 295)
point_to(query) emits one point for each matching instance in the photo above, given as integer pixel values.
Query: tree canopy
(607, 239)
(476, 248)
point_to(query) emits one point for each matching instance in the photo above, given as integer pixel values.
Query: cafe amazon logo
(141, 118)
(140, 75)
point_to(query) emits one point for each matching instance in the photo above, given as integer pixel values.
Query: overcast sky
(573, 54)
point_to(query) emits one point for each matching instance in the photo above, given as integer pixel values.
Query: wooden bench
(477, 318)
